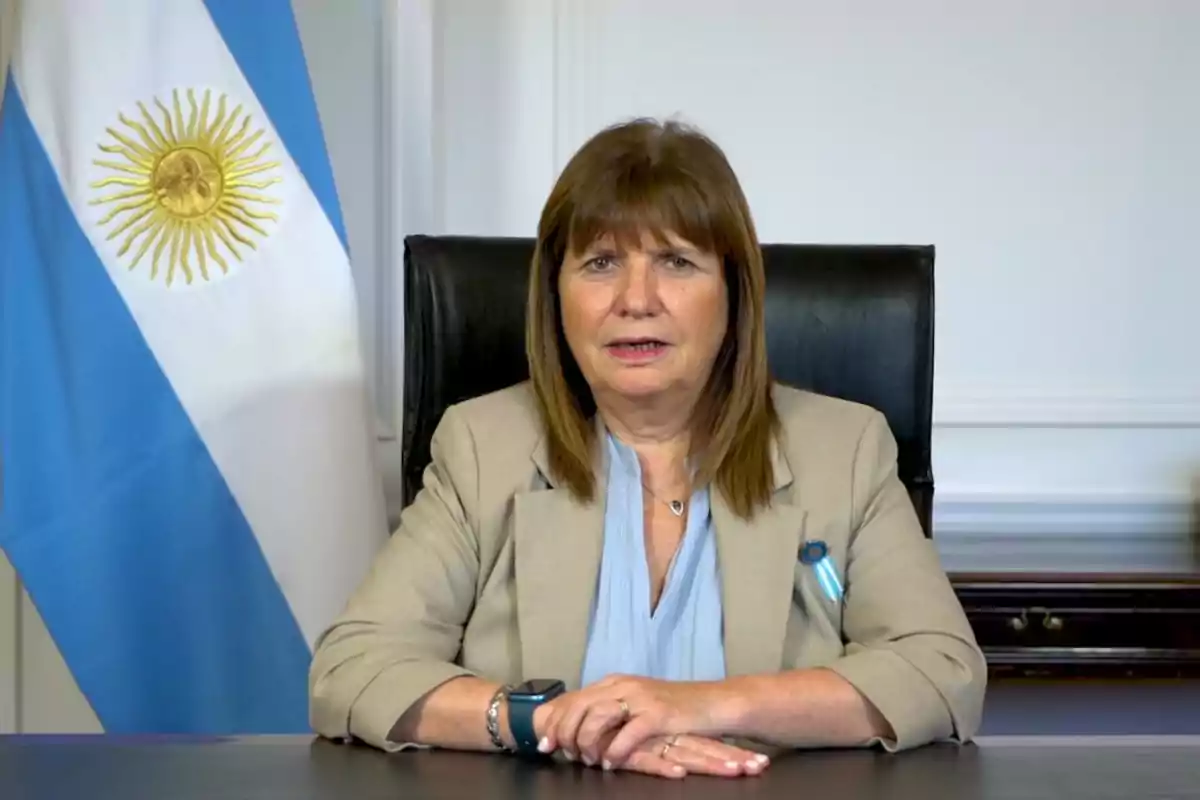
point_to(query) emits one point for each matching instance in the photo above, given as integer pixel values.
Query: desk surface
(1063, 768)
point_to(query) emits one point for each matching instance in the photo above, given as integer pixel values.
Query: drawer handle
(1050, 622)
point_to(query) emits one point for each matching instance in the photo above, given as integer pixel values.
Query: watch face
(542, 687)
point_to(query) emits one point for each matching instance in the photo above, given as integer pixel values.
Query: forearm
(453, 716)
(798, 708)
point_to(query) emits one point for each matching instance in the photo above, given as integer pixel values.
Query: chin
(635, 385)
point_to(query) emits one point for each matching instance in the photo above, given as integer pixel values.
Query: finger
(701, 763)
(545, 719)
(543, 724)
(595, 730)
(566, 726)
(749, 760)
(633, 735)
(649, 763)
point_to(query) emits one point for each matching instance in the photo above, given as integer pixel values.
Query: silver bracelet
(493, 717)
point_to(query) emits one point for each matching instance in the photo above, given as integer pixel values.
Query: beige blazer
(493, 569)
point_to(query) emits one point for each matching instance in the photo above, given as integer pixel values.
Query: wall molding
(572, 73)
(410, 191)
(1102, 531)
(1101, 512)
(956, 409)
(389, 206)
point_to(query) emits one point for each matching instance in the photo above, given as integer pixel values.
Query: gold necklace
(676, 506)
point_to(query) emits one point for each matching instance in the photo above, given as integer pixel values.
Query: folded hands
(666, 728)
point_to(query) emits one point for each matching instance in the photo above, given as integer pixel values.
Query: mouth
(643, 342)
(637, 350)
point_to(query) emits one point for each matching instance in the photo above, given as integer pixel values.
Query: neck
(660, 435)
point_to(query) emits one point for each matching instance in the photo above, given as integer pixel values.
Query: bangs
(632, 201)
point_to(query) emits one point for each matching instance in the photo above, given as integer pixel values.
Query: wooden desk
(100, 768)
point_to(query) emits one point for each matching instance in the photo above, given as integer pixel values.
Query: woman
(649, 556)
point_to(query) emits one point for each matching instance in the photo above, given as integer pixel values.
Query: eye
(679, 262)
(599, 264)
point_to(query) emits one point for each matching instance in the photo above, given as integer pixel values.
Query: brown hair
(646, 176)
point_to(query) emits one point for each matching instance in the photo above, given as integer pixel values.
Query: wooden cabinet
(1042, 624)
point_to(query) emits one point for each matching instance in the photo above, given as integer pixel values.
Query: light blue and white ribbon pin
(816, 555)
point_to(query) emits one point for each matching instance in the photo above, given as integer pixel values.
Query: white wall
(1048, 148)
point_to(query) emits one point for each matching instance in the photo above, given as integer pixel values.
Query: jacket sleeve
(911, 651)
(400, 632)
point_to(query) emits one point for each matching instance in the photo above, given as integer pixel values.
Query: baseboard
(1103, 532)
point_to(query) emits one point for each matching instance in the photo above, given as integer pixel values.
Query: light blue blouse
(682, 639)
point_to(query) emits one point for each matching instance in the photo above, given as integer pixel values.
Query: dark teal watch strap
(520, 722)
(523, 700)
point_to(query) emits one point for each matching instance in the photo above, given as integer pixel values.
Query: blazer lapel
(558, 551)
(757, 564)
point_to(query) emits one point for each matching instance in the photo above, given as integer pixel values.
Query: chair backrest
(852, 321)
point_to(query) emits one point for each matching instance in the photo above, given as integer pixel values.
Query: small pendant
(677, 507)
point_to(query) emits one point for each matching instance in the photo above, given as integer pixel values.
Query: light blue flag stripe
(115, 516)
(264, 40)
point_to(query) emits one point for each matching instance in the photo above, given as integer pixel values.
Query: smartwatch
(523, 700)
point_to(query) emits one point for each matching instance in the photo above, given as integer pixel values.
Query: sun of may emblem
(187, 190)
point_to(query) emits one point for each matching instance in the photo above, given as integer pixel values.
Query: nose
(638, 289)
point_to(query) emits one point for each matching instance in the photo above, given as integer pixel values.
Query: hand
(677, 756)
(610, 719)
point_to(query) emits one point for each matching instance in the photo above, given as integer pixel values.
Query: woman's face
(646, 321)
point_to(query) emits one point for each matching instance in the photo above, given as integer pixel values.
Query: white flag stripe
(266, 362)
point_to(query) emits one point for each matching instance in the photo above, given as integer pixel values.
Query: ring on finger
(667, 746)
(624, 708)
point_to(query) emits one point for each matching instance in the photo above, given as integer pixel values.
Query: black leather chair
(852, 321)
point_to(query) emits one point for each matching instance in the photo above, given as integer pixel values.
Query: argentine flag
(189, 490)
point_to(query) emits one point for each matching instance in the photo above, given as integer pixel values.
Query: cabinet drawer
(1041, 626)
(1078, 623)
